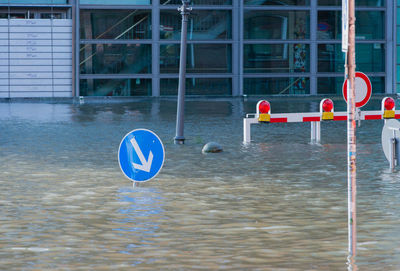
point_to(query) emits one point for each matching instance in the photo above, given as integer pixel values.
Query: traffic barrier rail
(264, 116)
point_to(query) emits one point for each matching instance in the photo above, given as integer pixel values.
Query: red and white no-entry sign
(363, 89)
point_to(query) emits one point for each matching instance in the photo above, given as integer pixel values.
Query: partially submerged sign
(141, 155)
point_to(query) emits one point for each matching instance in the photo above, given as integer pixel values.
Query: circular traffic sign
(141, 155)
(363, 89)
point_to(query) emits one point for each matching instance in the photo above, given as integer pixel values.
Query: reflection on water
(279, 203)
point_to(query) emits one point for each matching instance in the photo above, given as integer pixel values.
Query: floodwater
(279, 203)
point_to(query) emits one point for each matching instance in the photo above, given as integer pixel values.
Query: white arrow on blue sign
(141, 155)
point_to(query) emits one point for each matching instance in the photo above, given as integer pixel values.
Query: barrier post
(315, 132)
(246, 131)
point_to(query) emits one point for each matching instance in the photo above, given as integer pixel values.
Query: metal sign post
(351, 136)
(180, 114)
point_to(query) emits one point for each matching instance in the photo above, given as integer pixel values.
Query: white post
(315, 132)
(313, 135)
(246, 131)
(392, 153)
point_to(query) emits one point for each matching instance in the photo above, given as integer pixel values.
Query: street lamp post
(180, 115)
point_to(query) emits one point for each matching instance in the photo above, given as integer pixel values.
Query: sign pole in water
(141, 155)
(351, 136)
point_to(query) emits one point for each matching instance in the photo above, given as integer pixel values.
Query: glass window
(269, 86)
(202, 25)
(330, 25)
(398, 54)
(198, 86)
(263, 58)
(277, 2)
(115, 58)
(330, 85)
(398, 32)
(113, 2)
(398, 71)
(369, 57)
(115, 87)
(280, 25)
(367, 3)
(334, 85)
(115, 24)
(201, 58)
(197, 2)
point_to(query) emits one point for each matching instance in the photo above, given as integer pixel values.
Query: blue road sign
(141, 155)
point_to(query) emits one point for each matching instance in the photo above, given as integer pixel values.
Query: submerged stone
(212, 147)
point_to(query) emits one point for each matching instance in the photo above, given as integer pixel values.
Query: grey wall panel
(62, 55)
(62, 68)
(62, 29)
(62, 62)
(63, 88)
(62, 49)
(30, 36)
(30, 69)
(61, 36)
(63, 22)
(63, 93)
(38, 61)
(30, 42)
(4, 94)
(17, 62)
(65, 43)
(31, 82)
(61, 75)
(30, 49)
(30, 94)
(28, 55)
(22, 29)
(25, 75)
(31, 88)
(33, 22)
(62, 81)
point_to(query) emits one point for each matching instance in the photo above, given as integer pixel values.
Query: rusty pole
(351, 134)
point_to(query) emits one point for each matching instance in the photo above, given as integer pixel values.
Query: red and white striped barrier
(264, 115)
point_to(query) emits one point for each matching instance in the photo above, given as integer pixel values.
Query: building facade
(56, 48)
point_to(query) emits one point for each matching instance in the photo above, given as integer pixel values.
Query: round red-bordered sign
(363, 89)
